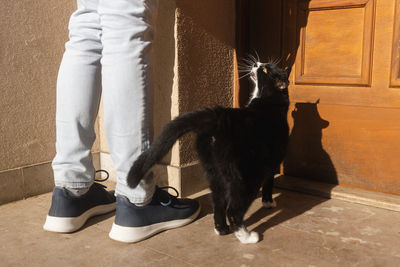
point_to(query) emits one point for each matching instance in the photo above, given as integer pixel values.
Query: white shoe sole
(71, 224)
(136, 234)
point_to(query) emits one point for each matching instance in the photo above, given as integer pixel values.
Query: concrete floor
(302, 230)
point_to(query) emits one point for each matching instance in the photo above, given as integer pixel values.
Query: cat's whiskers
(253, 58)
(258, 57)
(244, 68)
(244, 65)
(244, 71)
(250, 58)
(247, 69)
(244, 75)
(274, 61)
(247, 63)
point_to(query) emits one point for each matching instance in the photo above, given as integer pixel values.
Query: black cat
(239, 149)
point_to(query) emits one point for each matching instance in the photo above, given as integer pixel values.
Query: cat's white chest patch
(255, 92)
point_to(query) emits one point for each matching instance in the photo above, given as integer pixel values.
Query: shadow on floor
(289, 205)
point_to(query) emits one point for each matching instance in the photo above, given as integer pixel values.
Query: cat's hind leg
(204, 150)
(238, 203)
(236, 213)
(218, 196)
(267, 199)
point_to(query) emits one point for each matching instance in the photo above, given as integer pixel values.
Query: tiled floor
(302, 231)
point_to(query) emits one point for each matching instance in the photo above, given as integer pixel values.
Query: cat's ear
(288, 70)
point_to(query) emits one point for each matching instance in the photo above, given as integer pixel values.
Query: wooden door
(345, 86)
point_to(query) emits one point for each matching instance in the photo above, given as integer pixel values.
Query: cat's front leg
(221, 228)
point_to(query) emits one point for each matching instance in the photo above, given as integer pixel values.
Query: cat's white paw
(253, 238)
(246, 237)
(269, 204)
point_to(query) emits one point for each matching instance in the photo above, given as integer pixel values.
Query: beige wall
(30, 52)
(32, 37)
(193, 68)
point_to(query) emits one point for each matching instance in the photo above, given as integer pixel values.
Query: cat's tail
(197, 121)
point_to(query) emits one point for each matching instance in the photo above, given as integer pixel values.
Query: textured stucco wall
(32, 39)
(205, 55)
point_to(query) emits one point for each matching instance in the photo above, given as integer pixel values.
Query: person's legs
(119, 33)
(127, 34)
(75, 197)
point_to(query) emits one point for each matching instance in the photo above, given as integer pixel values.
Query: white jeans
(108, 53)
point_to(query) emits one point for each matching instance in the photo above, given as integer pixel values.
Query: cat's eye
(265, 70)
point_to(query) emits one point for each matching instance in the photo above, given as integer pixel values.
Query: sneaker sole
(71, 224)
(135, 234)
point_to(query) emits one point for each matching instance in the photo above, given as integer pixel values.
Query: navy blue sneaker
(135, 223)
(68, 213)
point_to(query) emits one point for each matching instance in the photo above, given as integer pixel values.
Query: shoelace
(102, 180)
(170, 197)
